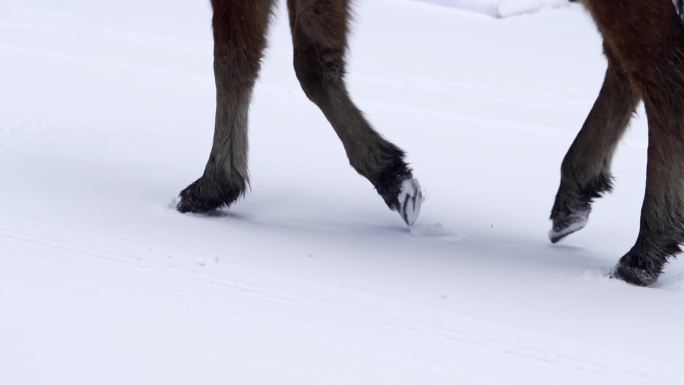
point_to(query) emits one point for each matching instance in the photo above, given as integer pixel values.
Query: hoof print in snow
(410, 201)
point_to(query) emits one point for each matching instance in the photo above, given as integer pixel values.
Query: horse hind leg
(585, 172)
(239, 28)
(319, 33)
(648, 38)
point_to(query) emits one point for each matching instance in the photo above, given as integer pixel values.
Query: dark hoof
(203, 197)
(635, 275)
(396, 185)
(568, 223)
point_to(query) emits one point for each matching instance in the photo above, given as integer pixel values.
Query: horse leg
(648, 39)
(240, 28)
(585, 172)
(319, 33)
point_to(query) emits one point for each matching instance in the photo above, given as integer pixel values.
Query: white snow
(410, 201)
(106, 112)
(500, 8)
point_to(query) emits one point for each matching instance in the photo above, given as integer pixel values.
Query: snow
(106, 112)
(500, 8)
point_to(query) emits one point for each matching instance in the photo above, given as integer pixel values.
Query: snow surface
(500, 8)
(106, 113)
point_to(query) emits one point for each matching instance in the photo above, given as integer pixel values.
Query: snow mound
(500, 8)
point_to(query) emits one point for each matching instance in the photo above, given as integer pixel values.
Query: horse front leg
(319, 33)
(240, 28)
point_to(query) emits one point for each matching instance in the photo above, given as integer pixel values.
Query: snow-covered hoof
(635, 275)
(410, 201)
(568, 224)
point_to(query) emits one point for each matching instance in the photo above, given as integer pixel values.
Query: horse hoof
(410, 201)
(199, 198)
(568, 224)
(634, 275)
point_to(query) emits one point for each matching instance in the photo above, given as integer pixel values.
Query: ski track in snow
(310, 279)
(445, 335)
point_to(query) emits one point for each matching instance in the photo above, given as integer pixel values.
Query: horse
(643, 41)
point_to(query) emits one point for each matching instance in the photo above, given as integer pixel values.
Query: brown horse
(644, 44)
